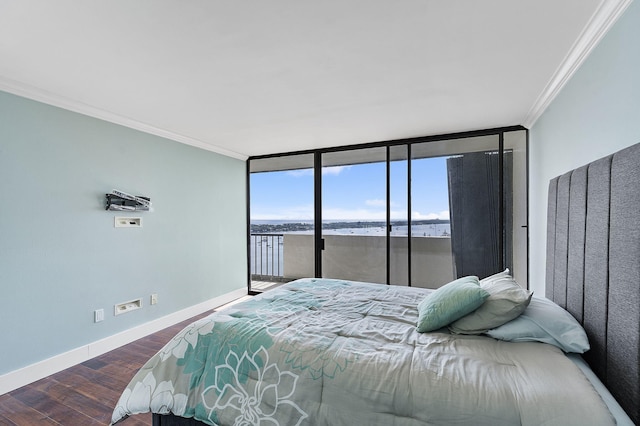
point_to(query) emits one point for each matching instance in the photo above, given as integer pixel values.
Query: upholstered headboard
(593, 265)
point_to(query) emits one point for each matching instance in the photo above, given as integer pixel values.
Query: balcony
(280, 258)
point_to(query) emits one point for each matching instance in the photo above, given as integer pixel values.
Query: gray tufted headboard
(593, 265)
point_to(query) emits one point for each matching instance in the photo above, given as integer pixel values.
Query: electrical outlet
(98, 315)
(154, 299)
(127, 222)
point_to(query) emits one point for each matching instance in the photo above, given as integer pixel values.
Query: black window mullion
(501, 253)
(409, 215)
(248, 210)
(388, 233)
(317, 220)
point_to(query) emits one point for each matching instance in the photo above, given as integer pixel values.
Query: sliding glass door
(398, 242)
(419, 213)
(354, 215)
(281, 216)
(515, 188)
(454, 213)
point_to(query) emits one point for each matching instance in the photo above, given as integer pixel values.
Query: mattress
(334, 352)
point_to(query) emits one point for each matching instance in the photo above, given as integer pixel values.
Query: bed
(335, 352)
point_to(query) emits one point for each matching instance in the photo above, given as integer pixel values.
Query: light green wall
(60, 255)
(596, 113)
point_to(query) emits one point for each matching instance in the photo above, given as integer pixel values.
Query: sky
(354, 192)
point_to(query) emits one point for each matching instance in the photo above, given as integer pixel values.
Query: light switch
(98, 315)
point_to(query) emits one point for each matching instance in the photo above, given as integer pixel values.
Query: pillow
(450, 302)
(507, 300)
(544, 321)
(505, 273)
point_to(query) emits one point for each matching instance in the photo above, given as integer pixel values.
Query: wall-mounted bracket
(121, 201)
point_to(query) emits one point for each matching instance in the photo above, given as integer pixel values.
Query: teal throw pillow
(449, 303)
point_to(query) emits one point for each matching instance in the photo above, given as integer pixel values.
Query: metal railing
(267, 257)
(431, 254)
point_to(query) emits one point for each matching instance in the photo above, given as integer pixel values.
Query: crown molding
(36, 94)
(602, 20)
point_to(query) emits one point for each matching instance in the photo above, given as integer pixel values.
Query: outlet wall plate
(127, 222)
(124, 307)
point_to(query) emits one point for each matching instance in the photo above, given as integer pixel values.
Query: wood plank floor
(85, 395)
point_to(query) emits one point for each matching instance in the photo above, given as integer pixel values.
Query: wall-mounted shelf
(121, 201)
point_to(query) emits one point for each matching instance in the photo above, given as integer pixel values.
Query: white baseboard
(34, 372)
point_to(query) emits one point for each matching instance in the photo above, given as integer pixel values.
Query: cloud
(334, 170)
(443, 215)
(305, 213)
(330, 171)
(398, 215)
(292, 213)
(378, 214)
(300, 173)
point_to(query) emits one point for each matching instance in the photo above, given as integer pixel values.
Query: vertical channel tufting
(575, 256)
(611, 260)
(562, 241)
(596, 274)
(551, 236)
(623, 333)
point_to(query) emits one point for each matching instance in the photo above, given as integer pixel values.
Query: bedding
(333, 352)
(621, 417)
(544, 321)
(507, 300)
(449, 303)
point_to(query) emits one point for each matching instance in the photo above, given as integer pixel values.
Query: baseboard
(34, 372)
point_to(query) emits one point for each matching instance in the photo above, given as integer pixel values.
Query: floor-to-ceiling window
(419, 212)
(281, 212)
(398, 210)
(354, 214)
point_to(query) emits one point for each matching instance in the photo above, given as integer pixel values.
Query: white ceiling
(256, 77)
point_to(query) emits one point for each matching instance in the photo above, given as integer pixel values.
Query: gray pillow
(506, 301)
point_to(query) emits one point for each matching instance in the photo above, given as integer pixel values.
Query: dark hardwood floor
(85, 394)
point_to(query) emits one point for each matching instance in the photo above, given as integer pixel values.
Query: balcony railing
(267, 257)
(278, 258)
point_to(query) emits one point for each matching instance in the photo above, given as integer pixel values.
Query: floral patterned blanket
(331, 352)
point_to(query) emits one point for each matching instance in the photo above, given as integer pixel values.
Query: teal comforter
(331, 352)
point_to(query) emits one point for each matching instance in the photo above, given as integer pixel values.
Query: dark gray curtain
(474, 204)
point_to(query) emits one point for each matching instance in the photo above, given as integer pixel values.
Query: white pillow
(506, 301)
(505, 273)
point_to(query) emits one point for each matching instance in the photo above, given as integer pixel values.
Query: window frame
(408, 142)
